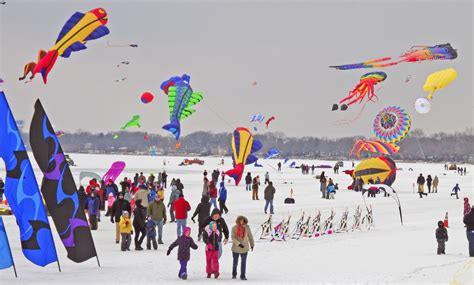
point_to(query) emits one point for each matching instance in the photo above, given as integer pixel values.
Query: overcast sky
(286, 46)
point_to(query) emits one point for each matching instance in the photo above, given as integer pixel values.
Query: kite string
(217, 115)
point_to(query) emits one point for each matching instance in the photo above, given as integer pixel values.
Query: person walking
(455, 190)
(223, 198)
(248, 182)
(267, 178)
(120, 206)
(157, 211)
(441, 235)
(255, 184)
(429, 180)
(181, 208)
(242, 242)
(279, 166)
(212, 239)
(212, 193)
(469, 223)
(205, 186)
(421, 185)
(202, 211)
(221, 227)
(435, 184)
(173, 196)
(184, 244)
(93, 209)
(164, 178)
(142, 194)
(467, 206)
(139, 223)
(269, 195)
(323, 184)
(151, 234)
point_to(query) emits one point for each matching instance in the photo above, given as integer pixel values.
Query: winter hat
(187, 230)
(440, 224)
(126, 213)
(211, 224)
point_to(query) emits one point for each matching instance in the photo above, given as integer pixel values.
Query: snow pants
(470, 238)
(212, 262)
(183, 268)
(441, 245)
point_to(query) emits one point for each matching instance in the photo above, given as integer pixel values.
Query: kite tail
(173, 127)
(45, 65)
(430, 96)
(236, 173)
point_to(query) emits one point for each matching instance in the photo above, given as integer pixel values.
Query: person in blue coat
(223, 198)
(331, 191)
(93, 209)
(456, 189)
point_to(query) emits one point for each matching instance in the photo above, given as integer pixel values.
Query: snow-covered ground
(390, 253)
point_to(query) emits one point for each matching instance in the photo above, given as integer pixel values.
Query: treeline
(440, 147)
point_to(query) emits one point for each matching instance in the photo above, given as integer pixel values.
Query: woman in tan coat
(242, 242)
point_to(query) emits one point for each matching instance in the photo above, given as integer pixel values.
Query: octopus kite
(364, 89)
(415, 54)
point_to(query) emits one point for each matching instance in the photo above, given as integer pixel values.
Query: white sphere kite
(422, 105)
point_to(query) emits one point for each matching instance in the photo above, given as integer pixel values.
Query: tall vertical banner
(22, 193)
(6, 259)
(59, 189)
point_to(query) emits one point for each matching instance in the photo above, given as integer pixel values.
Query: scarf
(240, 231)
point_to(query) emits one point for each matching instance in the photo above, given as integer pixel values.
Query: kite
(1, 81)
(257, 118)
(30, 66)
(60, 134)
(422, 105)
(114, 171)
(120, 80)
(85, 176)
(257, 165)
(146, 137)
(415, 54)
(181, 99)
(177, 145)
(243, 147)
(134, 122)
(147, 97)
(123, 63)
(122, 45)
(408, 78)
(254, 83)
(78, 30)
(439, 80)
(273, 152)
(3, 2)
(392, 124)
(363, 89)
(269, 121)
(374, 146)
(380, 168)
(116, 136)
(255, 129)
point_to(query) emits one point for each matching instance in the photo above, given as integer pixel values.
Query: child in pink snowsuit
(110, 202)
(212, 239)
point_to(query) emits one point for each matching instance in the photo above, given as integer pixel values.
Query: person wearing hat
(242, 242)
(221, 227)
(120, 205)
(184, 244)
(157, 211)
(212, 239)
(126, 231)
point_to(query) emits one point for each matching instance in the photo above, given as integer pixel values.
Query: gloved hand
(112, 220)
(225, 241)
(131, 232)
(251, 248)
(168, 252)
(192, 219)
(241, 245)
(164, 222)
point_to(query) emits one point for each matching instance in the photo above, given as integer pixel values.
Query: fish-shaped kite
(243, 147)
(79, 29)
(181, 98)
(134, 122)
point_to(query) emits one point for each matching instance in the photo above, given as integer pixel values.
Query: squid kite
(415, 54)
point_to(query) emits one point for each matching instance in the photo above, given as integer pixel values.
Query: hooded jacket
(139, 215)
(118, 208)
(202, 210)
(221, 224)
(181, 208)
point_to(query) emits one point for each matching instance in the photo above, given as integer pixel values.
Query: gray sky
(226, 45)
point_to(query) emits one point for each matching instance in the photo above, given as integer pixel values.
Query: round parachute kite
(147, 97)
(422, 105)
(392, 124)
(374, 146)
(378, 169)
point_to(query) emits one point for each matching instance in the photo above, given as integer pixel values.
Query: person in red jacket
(212, 193)
(181, 208)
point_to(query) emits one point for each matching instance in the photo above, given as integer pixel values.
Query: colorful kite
(273, 152)
(374, 146)
(134, 122)
(85, 176)
(30, 66)
(114, 171)
(269, 121)
(392, 124)
(415, 54)
(257, 118)
(381, 168)
(60, 134)
(243, 148)
(181, 99)
(147, 97)
(78, 30)
(363, 89)
(116, 136)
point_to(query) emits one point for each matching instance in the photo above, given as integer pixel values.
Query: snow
(389, 253)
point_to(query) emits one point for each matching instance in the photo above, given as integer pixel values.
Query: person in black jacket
(221, 226)
(469, 222)
(81, 193)
(421, 185)
(248, 182)
(441, 237)
(203, 210)
(139, 224)
(212, 240)
(120, 205)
